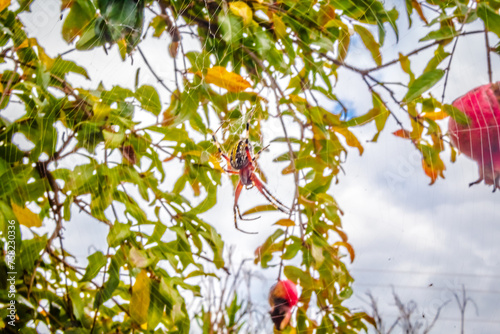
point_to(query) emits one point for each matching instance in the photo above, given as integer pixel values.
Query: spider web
(259, 310)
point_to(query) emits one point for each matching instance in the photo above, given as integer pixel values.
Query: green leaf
(406, 66)
(209, 201)
(30, 252)
(117, 261)
(118, 233)
(78, 303)
(370, 43)
(112, 139)
(149, 99)
(264, 252)
(78, 20)
(439, 56)
(10, 153)
(159, 25)
(96, 262)
(423, 84)
(490, 18)
(115, 94)
(455, 113)
(231, 28)
(61, 67)
(156, 306)
(89, 40)
(446, 32)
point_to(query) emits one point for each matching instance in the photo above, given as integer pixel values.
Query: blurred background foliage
(257, 60)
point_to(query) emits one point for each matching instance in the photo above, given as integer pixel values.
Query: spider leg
(220, 150)
(241, 217)
(236, 209)
(258, 153)
(228, 168)
(267, 194)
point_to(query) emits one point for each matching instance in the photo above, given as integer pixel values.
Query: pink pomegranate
(480, 139)
(283, 297)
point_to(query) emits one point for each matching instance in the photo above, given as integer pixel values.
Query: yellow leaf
(259, 208)
(220, 77)
(279, 27)
(297, 99)
(436, 115)
(25, 216)
(4, 4)
(285, 222)
(348, 247)
(239, 8)
(139, 302)
(24, 44)
(101, 110)
(350, 138)
(122, 47)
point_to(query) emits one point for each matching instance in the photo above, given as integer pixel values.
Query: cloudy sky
(423, 241)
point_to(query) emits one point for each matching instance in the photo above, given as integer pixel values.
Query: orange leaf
(350, 138)
(419, 10)
(402, 133)
(24, 44)
(431, 172)
(4, 4)
(348, 247)
(220, 77)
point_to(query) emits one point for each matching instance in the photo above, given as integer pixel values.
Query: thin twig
(488, 57)
(160, 81)
(395, 61)
(448, 69)
(212, 261)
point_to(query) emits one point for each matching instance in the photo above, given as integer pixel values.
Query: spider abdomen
(239, 157)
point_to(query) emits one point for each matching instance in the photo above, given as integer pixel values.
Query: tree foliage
(256, 60)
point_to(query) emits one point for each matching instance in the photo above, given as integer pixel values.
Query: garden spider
(242, 162)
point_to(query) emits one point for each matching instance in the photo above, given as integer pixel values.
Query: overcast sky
(422, 240)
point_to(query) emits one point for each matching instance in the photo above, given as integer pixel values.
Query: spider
(243, 162)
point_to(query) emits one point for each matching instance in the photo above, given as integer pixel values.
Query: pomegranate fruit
(283, 297)
(480, 138)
